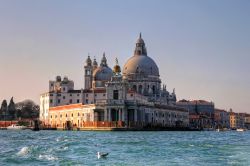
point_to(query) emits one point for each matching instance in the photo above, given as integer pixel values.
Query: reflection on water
(124, 148)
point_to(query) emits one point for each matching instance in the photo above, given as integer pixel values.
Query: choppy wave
(48, 157)
(126, 148)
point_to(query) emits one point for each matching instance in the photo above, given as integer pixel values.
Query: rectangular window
(58, 101)
(51, 101)
(104, 94)
(51, 94)
(70, 101)
(115, 95)
(63, 97)
(78, 101)
(86, 101)
(87, 95)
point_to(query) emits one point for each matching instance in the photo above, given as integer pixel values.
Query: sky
(201, 47)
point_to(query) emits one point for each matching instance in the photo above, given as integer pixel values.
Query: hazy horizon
(201, 47)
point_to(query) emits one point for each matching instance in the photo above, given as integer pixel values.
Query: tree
(12, 110)
(3, 110)
(27, 109)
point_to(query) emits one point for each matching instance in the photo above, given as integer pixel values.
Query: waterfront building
(233, 118)
(221, 118)
(237, 120)
(247, 121)
(241, 120)
(201, 113)
(133, 98)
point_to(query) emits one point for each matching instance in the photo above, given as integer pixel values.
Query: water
(125, 148)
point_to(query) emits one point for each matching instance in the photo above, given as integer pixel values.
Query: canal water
(124, 148)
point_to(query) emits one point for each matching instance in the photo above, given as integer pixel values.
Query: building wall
(201, 113)
(247, 121)
(221, 119)
(75, 113)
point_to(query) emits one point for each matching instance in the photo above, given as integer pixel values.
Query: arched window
(153, 88)
(135, 88)
(140, 89)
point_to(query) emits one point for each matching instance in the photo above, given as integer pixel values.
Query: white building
(134, 99)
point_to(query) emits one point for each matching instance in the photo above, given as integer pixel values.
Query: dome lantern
(104, 60)
(140, 48)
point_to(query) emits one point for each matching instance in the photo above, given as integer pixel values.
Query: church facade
(131, 98)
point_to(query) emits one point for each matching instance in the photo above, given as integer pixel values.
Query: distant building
(201, 113)
(237, 120)
(241, 120)
(247, 121)
(133, 98)
(233, 119)
(221, 118)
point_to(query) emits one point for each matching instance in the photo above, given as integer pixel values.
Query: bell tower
(88, 70)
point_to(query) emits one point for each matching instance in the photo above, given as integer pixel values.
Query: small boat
(221, 129)
(226, 129)
(102, 155)
(16, 127)
(240, 129)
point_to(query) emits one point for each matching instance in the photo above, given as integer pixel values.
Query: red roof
(64, 107)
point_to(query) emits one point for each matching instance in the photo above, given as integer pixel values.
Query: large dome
(140, 63)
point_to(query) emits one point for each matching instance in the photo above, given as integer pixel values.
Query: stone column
(135, 115)
(105, 114)
(120, 114)
(123, 114)
(109, 114)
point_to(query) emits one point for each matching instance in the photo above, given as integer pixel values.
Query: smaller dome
(102, 73)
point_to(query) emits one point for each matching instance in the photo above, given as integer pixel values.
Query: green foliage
(12, 110)
(3, 110)
(27, 109)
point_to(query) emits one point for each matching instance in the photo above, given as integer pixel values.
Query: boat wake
(24, 151)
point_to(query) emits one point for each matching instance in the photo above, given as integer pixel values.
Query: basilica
(113, 99)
